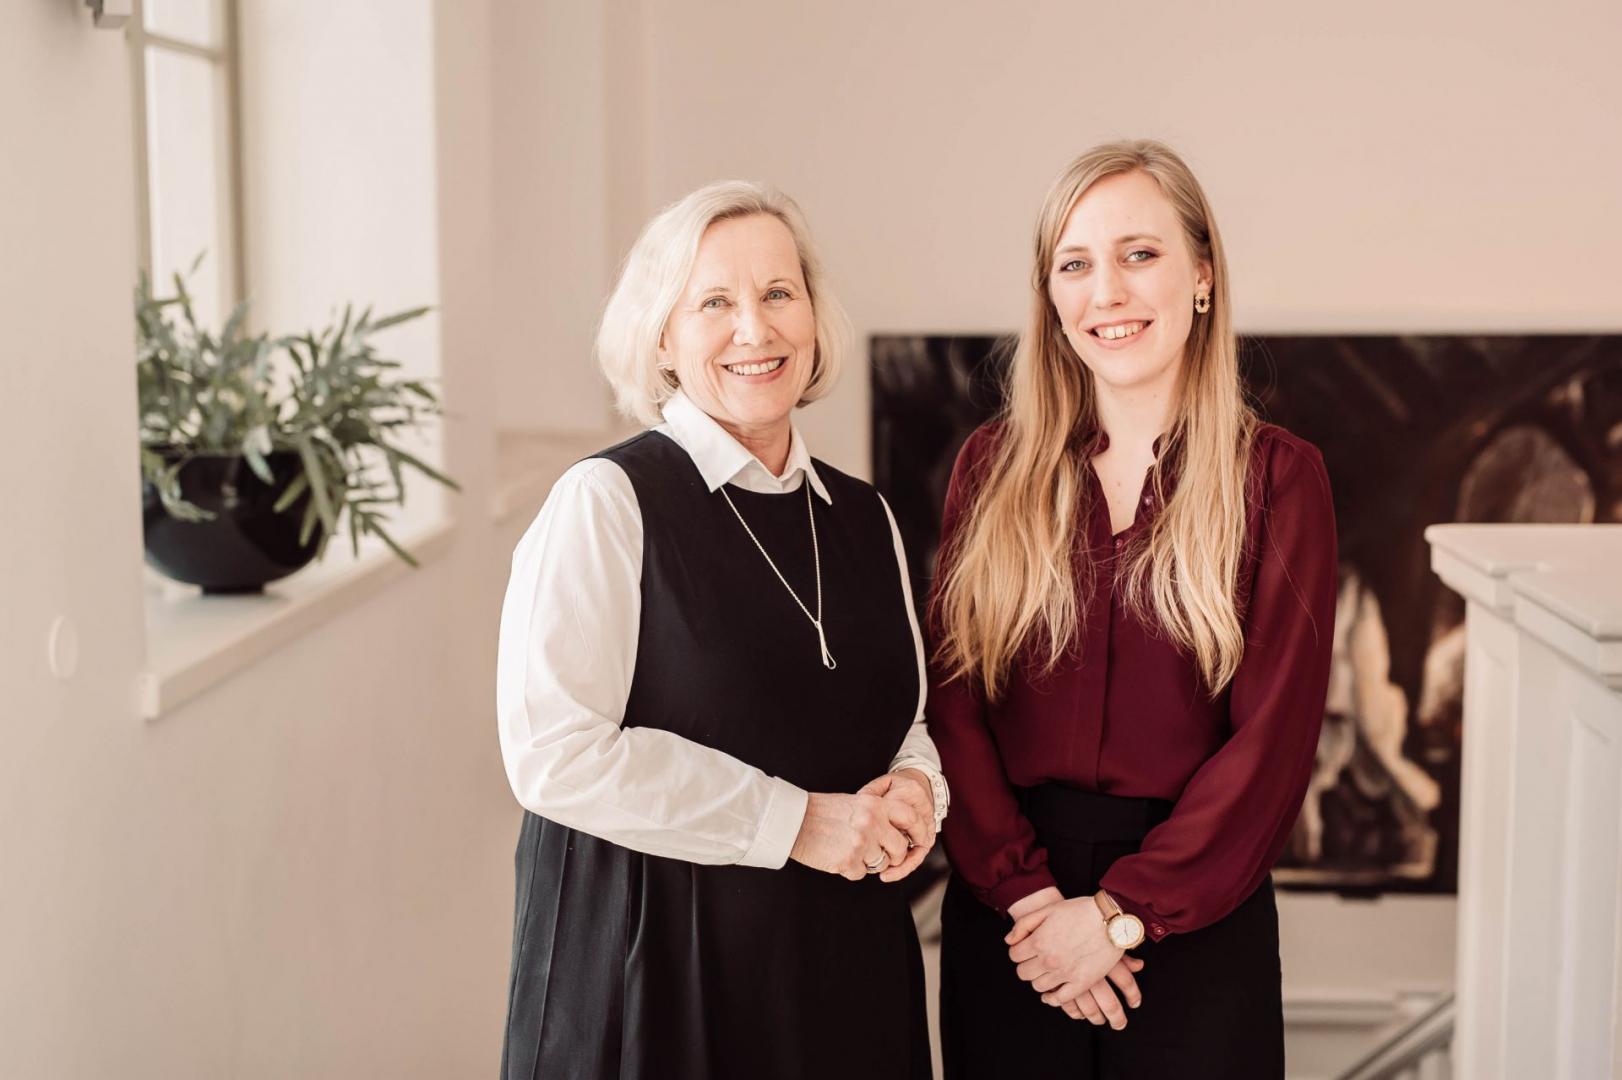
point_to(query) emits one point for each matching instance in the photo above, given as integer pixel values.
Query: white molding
(1346, 1010)
(1473, 583)
(1501, 550)
(1540, 919)
(1562, 584)
(528, 463)
(1601, 658)
(194, 642)
(1491, 673)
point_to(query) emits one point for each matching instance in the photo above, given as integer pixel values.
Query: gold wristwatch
(1124, 928)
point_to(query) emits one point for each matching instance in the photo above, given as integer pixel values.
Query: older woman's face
(742, 337)
(1123, 282)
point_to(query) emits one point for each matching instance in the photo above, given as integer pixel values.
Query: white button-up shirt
(568, 651)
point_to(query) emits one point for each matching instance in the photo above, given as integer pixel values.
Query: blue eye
(778, 294)
(712, 303)
(1147, 255)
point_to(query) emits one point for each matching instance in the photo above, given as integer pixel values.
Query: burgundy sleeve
(991, 844)
(1232, 819)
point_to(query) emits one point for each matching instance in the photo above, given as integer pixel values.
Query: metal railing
(1419, 1050)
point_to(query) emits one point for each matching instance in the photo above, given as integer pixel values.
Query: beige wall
(1446, 166)
(305, 871)
(66, 433)
(556, 162)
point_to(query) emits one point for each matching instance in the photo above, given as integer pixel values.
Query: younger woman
(1131, 639)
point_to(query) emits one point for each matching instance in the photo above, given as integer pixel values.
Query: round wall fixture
(62, 648)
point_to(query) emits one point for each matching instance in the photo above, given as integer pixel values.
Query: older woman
(711, 698)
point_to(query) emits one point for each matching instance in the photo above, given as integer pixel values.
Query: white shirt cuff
(779, 826)
(937, 783)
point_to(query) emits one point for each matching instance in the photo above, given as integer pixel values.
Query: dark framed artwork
(1415, 430)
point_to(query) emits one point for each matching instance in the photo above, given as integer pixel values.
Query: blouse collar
(1097, 442)
(721, 459)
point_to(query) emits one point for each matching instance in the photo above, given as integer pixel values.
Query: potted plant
(256, 451)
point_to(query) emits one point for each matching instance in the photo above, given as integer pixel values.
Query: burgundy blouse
(1128, 715)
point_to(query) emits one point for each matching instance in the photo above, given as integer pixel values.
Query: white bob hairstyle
(655, 273)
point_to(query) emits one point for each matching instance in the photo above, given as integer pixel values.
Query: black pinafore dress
(637, 967)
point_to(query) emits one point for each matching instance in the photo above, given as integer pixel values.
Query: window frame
(227, 57)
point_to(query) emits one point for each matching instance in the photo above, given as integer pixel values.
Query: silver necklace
(816, 556)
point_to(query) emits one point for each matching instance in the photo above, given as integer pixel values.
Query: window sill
(528, 463)
(194, 641)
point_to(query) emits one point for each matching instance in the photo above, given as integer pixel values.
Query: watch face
(1125, 931)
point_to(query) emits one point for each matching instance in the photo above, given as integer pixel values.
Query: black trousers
(1211, 998)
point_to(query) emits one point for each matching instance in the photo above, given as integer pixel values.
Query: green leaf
(421, 466)
(326, 394)
(291, 495)
(233, 325)
(319, 486)
(399, 317)
(382, 534)
(256, 462)
(354, 529)
(254, 448)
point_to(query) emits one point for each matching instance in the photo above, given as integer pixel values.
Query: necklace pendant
(827, 657)
(816, 557)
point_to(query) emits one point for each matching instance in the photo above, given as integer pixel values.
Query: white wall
(557, 167)
(339, 192)
(305, 871)
(67, 438)
(338, 163)
(1438, 166)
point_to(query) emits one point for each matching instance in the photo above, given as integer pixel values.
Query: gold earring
(1202, 302)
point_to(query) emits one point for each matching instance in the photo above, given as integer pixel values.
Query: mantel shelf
(1561, 583)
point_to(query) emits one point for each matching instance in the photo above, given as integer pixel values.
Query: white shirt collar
(721, 459)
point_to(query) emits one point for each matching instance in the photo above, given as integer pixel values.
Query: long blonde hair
(1009, 580)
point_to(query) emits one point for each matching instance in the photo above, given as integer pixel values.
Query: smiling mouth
(1119, 331)
(757, 367)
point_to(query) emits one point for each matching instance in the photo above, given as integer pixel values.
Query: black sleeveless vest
(638, 967)
(725, 656)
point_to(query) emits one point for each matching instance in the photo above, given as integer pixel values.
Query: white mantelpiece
(1540, 863)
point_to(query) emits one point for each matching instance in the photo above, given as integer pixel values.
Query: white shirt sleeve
(567, 653)
(917, 749)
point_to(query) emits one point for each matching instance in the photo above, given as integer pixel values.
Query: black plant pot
(246, 543)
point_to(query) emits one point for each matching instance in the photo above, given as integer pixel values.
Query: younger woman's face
(1123, 282)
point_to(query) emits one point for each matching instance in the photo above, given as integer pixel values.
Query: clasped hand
(1061, 948)
(892, 818)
